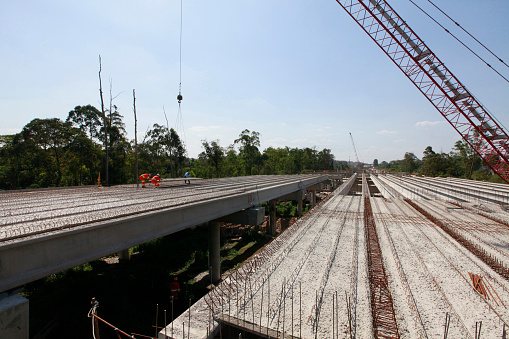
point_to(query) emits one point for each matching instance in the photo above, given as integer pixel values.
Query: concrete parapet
(347, 185)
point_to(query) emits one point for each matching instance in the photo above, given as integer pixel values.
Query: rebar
(384, 318)
(446, 325)
(477, 250)
(28, 213)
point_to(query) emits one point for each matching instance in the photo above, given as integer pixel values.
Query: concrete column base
(214, 251)
(272, 217)
(13, 317)
(124, 255)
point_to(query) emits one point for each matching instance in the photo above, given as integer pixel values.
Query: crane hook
(179, 98)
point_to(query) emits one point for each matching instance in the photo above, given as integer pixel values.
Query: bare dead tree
(135, 139)
(104, 120)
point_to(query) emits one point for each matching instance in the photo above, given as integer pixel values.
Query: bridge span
(46, 231)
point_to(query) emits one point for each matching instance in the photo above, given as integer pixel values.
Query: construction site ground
(443, 245)
(445, 261)
(128, 292)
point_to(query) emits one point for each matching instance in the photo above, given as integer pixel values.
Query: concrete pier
(214, 251)
(272, 218)
(124, 255)
(13, 316)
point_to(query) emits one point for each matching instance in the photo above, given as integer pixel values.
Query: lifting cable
(464, 30)
(179, 124)
(461, 42)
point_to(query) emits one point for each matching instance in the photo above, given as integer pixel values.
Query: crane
(449, 96)
(355, 151)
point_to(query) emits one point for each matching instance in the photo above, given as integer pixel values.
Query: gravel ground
(319, 264)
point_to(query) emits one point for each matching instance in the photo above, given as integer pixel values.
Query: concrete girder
(251, 216)
(316, 187)
(299, 195)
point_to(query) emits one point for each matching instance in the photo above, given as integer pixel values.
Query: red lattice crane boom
(434, 80)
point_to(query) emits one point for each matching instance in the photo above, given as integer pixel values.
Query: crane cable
(179, 121)
(464, 30)
(461, 42)
(179, 97)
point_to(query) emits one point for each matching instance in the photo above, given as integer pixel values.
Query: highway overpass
(49, 230)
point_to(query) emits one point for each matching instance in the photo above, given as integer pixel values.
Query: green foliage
(214, 155)
(162, 152)
(52, 153)
(248, 151)
(286, 209)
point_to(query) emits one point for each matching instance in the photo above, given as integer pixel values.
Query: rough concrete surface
(292, 284)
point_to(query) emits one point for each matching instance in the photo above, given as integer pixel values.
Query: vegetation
(55, 153)
(460, 162)
(129, 291)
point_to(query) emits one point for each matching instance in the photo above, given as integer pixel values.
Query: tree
(113, 135)
(11, 161)
(83, 159)
(87, 118)
(248, 151)
(232, 163)
(166, 153)
(50, 135)
(178, 150)
(327, 159)
(375, 163)
(470, 161)
(437, 164)
(214, 154)
(410, 162)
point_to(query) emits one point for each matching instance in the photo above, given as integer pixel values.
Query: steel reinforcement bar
(382, 308)
(496, 264)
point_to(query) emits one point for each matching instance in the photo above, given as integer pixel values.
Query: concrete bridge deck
(313, 280)
(46, 231)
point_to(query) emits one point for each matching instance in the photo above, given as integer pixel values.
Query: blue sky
(301, 73)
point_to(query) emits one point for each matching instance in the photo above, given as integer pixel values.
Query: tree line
(55, 153)
(461, 162)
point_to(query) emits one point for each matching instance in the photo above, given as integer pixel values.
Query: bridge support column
(313, 197)
(13, 316)
(124, 255)
(214, 251)
(299, 207)
(272, 218)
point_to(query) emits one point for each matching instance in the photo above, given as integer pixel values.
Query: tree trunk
(104, 121)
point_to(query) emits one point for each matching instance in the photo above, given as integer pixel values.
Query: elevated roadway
(46, 231)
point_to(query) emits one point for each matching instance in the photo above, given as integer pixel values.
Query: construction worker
(187, 175)
(144, 177)
(155, 180)
(174, 288)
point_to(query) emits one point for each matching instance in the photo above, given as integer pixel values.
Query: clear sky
(301, 73)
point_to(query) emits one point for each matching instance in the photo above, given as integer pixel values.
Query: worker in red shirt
(155, 180)
(144, 177)
(174, 288)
